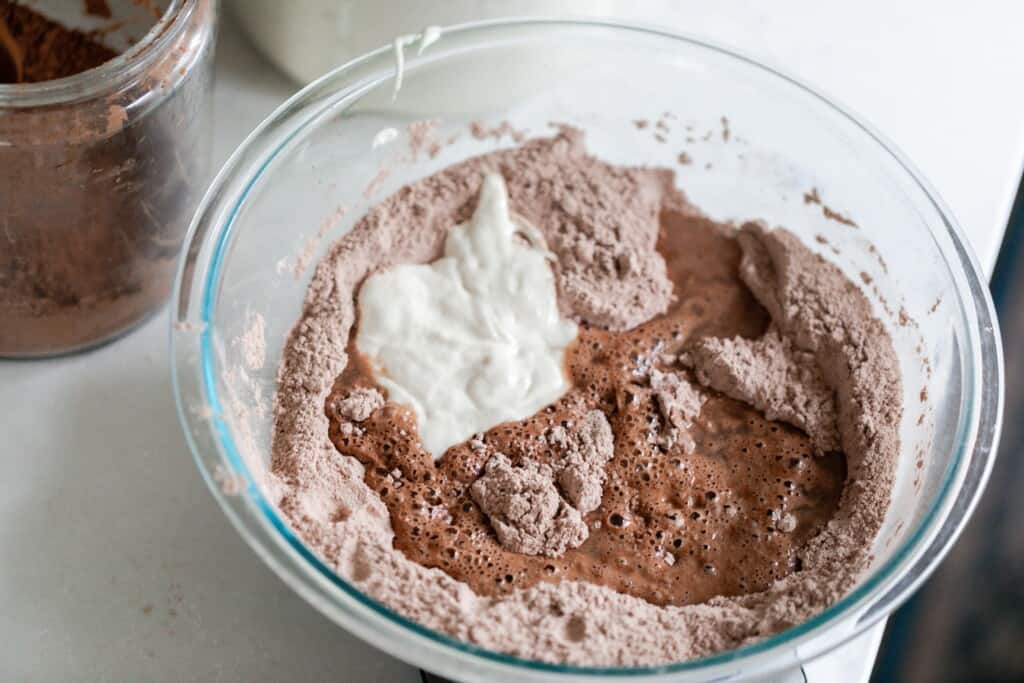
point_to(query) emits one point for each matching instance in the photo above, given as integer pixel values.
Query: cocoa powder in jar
(99, 174)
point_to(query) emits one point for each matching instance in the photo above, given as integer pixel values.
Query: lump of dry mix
(773, 375)
(605, 221)
(678, 400)
(527, 511)
(357, 407)
(586, 453)
(679, 403)
(359, 404)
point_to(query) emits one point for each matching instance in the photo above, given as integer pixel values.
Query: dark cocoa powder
(43, 50)
(98, 8)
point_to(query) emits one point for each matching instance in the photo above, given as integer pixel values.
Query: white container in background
(308, 38)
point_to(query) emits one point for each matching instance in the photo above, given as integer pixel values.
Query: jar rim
(110, 75)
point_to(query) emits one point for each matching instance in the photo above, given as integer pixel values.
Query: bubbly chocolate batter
(673, 527)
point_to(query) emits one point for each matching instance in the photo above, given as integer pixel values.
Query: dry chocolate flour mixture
(715, 474)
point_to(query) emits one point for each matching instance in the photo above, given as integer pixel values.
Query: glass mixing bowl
(756, 141)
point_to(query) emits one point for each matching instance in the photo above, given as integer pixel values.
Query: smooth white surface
(473, 339)
(310, 37)
(117, 564)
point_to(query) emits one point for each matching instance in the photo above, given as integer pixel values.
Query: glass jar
(99, 175)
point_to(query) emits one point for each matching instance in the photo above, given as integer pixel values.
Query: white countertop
(117, 563)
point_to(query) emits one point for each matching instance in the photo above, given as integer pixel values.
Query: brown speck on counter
(812, 196)
(833, 215)
(684, 159)
(878, 257)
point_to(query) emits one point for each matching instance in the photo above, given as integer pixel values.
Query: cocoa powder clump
(774, 376)
(359, 404)
(678, 400)
(587, 451)
(525, 509)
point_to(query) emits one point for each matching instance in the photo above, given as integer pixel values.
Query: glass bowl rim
(882, 582)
